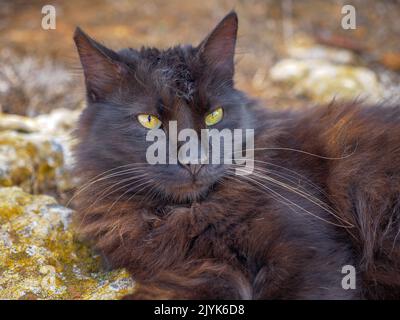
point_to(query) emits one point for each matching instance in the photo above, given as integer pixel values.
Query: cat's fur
(224, 236)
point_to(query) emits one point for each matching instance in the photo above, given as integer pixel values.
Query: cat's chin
(186, 193)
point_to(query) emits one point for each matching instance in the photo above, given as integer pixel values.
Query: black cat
(324, 193)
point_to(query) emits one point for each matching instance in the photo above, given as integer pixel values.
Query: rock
(289, 70)
(322, 74)
(35, 153)
(40, 257)
(32, 161)
(59, 124)
(323, 81)
(17, 123)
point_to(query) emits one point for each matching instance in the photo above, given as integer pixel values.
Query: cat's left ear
(218, 49)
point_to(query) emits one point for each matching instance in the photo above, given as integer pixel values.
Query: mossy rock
(31, 161)
(40, 257)
(35, 153)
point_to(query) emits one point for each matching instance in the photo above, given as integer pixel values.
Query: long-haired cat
(324, 193)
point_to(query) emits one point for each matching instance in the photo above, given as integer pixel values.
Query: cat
(324, 193)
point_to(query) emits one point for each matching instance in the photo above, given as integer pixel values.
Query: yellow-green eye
(148, 121)
(214, 117)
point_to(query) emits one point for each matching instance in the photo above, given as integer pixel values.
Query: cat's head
(129, 92)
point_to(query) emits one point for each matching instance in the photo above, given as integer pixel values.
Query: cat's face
(133, 91)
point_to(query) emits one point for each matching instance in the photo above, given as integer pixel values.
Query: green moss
(40, 257)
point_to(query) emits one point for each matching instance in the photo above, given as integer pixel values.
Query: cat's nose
(193, 168)
(192, 164)
(193, 161)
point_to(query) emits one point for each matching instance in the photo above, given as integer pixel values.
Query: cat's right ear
(101, 66)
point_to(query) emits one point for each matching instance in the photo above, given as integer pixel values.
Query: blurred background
(40, 70)
(290, 54)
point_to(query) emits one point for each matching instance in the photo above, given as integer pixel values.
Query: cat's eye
(149, 121)
(214, 117)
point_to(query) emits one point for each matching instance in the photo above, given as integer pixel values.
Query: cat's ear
(218, 49)
(101, 66)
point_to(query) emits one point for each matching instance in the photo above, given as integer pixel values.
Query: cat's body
(325, 191)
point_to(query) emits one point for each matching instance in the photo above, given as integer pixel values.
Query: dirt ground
(265, 29)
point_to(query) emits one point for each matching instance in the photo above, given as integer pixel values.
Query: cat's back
(359, 149)
(363, 138)
(369, 128)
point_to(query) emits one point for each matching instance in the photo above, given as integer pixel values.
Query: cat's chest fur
(261, 240)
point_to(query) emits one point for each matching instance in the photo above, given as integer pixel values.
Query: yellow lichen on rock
(31, 161)
(35, 153)
(40, 257)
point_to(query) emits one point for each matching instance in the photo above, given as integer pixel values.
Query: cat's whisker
(291, 202)
(300, 151)
(250, 182)
(155, 191)
(100, 177)
(302, 191)
(306, 196)
(104, 193)
(86, 211)
(147, 184)
(288, 201)
(111, 170)
(123, 180)
(272, 195)
(144, 198)
(296, 181)
(292, 173)
(127, 191)
(234, 177)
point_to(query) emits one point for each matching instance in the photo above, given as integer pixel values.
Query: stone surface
(60, 124)
(323, 81)
(17, 123)
(322, 74)
(32, 161)
(40, 257)
(35, 153)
